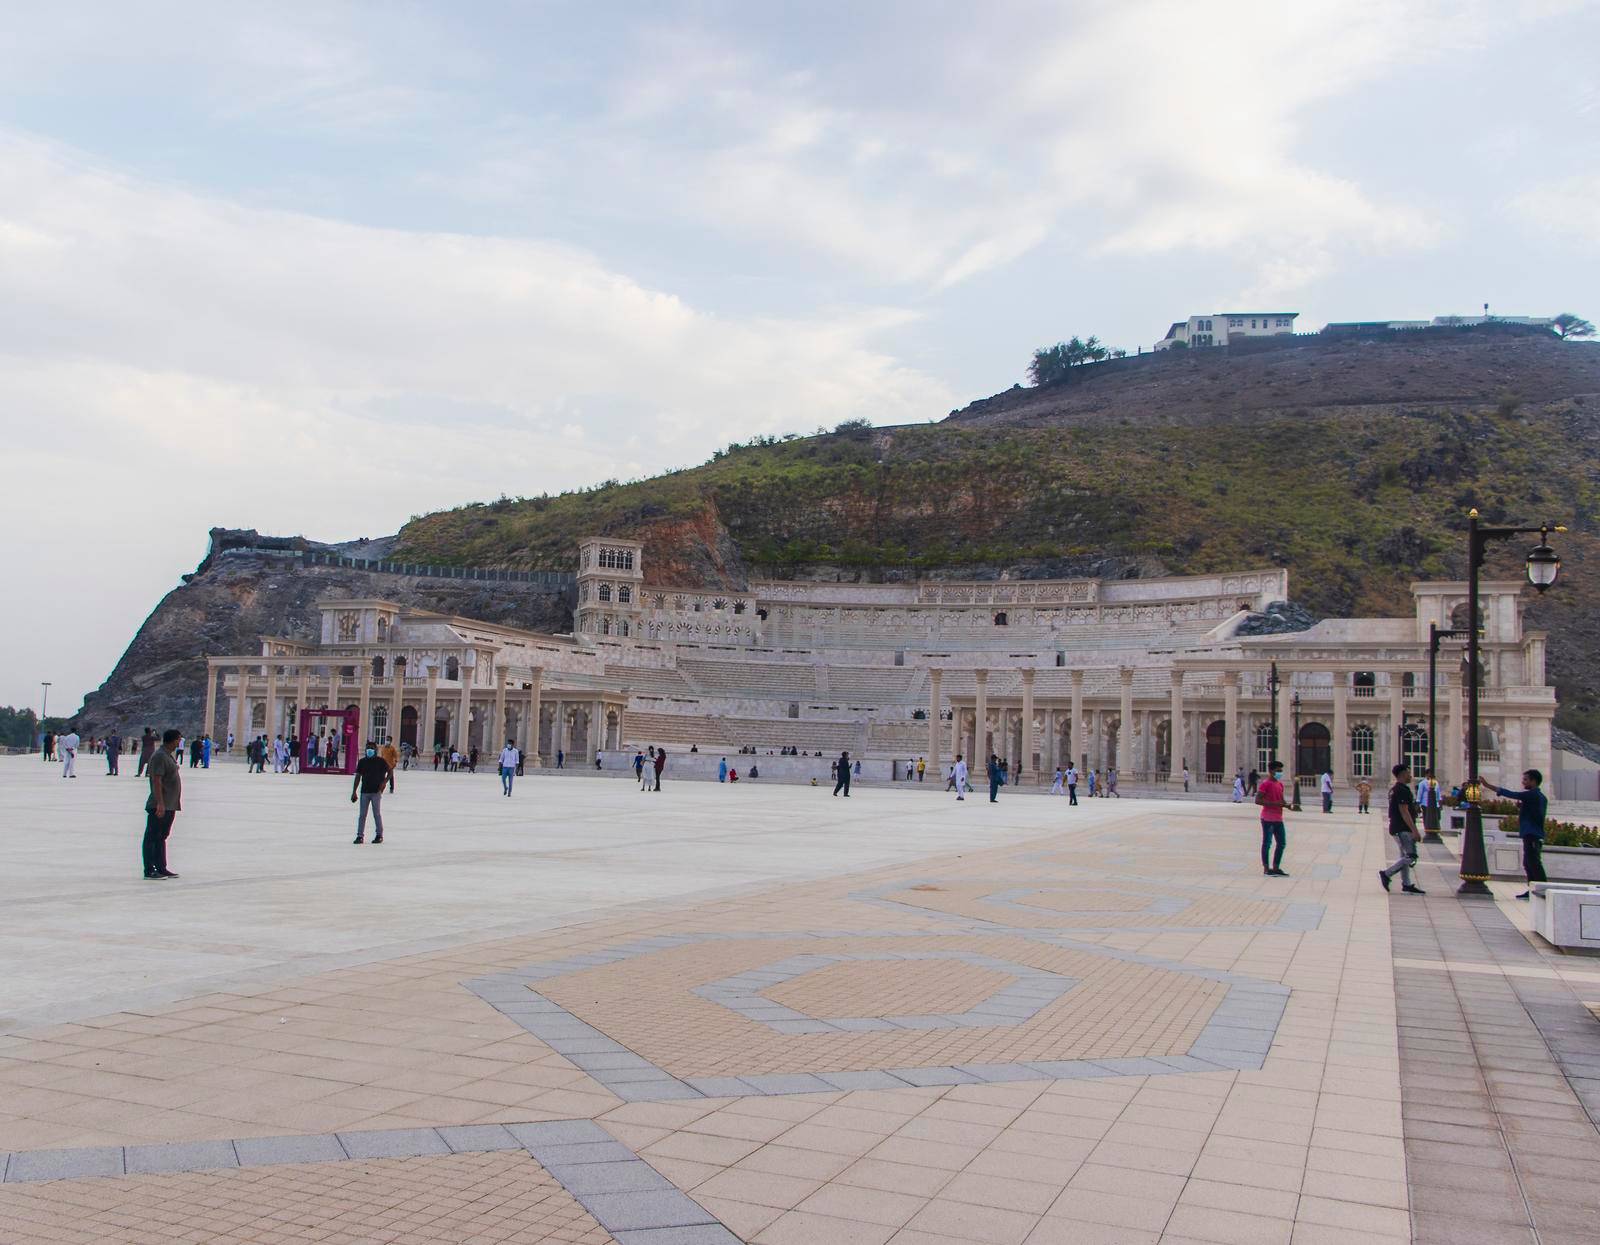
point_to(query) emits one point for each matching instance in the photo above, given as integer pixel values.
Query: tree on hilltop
(1053, 364)
(1569, 325)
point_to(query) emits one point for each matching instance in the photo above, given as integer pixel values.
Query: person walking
(638, 768)
(1238, 788)
(1057, 782)
(372, 772)
(1186, 780)
(147, 747)
(996, 777)
(205, 760)
(230, 741)
(958, 776)
(509, 756)
(1532, 805)
(1111, 783)
(922, 766)
(164, 804)
(1430, 797)
(113, 751)
(1403, 829)
(67, 745)
(841, 769)
(194, 754)
(722, 770)
(1327, 790)
(1072, 785)
(561, 758)
(1094, 782)
(660, 765)
(1269, 795)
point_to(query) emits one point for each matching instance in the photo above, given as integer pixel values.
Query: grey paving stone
(1001, 1071)
(65, 1164)
(179, 1156)
(608, 1060)
(476, 1138)
(699, 1234)
(862, 1080)
(801, 1026)
(661, 1208)
(934, 1076)
(649, 1074)
(583, 1153)
(720, 1086)
(1069, 1069)
(1134, 1067)
(260, 1151)
(789, 1083)
(628, 1177)
(665, 1090)
(393, 1143)
(557, 1133)
(585, 1045)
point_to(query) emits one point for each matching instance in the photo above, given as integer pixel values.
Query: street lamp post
(1543, 566)
(1294, 754)
(1436, 634)
(44, 711)
(1272, 695)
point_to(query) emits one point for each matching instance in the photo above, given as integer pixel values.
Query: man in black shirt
(372, 773)
(166, 799)
(842, 770)
(1403, 826)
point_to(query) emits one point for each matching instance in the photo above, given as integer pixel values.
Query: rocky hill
(1351, 462)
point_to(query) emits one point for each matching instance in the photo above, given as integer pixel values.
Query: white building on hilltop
(1218, 328)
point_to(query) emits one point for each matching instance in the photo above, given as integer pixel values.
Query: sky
(315, 268)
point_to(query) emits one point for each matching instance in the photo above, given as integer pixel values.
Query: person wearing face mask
(510, 758)
(372, 773)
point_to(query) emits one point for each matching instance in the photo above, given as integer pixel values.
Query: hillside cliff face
(234, 599)
(1352, 463)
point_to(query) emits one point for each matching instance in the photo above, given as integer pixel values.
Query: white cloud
(1566, 208)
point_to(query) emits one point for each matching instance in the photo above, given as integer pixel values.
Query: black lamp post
(1436, 635)
(1294, 754)
(1543, 566)
(1272, 695)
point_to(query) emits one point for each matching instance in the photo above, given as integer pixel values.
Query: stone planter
(1563, 864)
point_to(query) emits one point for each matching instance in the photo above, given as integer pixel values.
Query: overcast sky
(315, 268)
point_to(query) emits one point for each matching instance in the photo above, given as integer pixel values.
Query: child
(1364, 795)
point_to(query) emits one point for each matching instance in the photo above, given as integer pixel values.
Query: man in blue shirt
(1530, 824)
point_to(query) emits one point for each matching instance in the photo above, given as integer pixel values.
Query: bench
(1567, 914)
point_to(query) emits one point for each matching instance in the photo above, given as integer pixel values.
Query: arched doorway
(1216, 746)
(613, 731)
(441, 727)
(1315, 753)
(408, 725)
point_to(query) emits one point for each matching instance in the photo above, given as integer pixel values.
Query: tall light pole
(1294, 754)
(1543, 566)
(1436, 634)
(44, 709)
(1272, 695)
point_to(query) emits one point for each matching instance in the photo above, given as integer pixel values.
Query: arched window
(452, 668)
(625, 595)
(377, 667)
(1363, 743)
(380, 723)
(1408, 681)
(605, 592)
(1462, 612)
(1414, 746)
(1366, 683)
(1314, 756)
(1000, 619)
(605, 625)
(400, 666)
(1216, 740)
(383, 628)
(624, 625)
(1266, 746)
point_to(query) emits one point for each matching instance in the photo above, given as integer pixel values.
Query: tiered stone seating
(806, 735)
(640, 728)
(871, 685)
(650, 680)
(750, 680)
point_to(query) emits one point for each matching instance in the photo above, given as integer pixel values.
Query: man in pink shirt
(1269, 795)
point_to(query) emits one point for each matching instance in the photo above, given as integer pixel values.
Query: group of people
(725, 773)
(290, 754)
(648, 768)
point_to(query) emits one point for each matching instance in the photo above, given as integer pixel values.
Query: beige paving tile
(763, 1188)
(873, 1173)
(795, 1227)
(1003, 1191)
(1204, 1223)
(852, 1201)
(982, 1224)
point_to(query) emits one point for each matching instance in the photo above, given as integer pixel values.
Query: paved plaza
(746, 1013)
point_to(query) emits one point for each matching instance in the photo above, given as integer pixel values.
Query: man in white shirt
(1072, 784)
(961, 779)
(1055, 785)
(67, 746)
(509, 759)
(1327, 791)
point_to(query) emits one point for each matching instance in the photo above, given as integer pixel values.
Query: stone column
(241, 705)
(534, 712)
(271, 718)
(499, 712)
(1028, 765)
(980, 750)
(333, 686)
(397, 702)
(1125, 730)
(364, 705)
(1075, 740)
(1341, 731)
(558, 729)
(1397, 715)
(935, 755)
(430, 708)
(1454, 754)
(210, 698)
(1175, 732)
(464, 725)
(1230, 724)
(300, 693)
(1050, 750)
(1287, 746)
